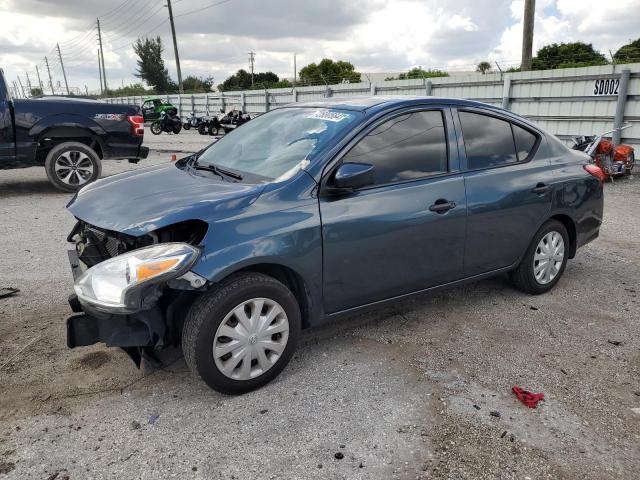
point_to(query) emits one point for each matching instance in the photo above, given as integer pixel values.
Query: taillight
(137, 125)
(595, 171)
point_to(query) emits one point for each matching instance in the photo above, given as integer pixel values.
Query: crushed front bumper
(134, 333)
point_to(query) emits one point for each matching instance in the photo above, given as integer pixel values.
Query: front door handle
(541, 188)
(442, 206)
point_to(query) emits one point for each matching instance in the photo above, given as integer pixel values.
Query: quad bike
(191, 121)
(166, 123)
(233, 120)
(613, 160)
(210, 125)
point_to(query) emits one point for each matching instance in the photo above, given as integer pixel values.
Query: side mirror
(350, 176)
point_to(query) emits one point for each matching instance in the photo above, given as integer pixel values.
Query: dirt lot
(407, 392)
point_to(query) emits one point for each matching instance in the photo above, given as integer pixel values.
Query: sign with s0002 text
(609, 86)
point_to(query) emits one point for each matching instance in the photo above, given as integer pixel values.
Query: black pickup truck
(69, 137)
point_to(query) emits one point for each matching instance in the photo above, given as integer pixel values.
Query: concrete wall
(561, 101)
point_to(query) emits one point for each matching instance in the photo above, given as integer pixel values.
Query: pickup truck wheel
(545, 260)
(242, 333)
(72, 165)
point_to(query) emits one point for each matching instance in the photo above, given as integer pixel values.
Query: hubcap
(74, 168)
(548, 258)
(251, 339)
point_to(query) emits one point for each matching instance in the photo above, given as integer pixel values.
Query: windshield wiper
(217, 170)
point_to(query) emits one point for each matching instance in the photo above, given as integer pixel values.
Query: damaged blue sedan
(315, 211)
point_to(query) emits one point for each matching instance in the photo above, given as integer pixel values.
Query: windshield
(277, 144)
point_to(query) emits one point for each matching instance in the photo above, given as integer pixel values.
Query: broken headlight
(116, 285)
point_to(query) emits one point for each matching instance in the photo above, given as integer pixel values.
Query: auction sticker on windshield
(328, 115)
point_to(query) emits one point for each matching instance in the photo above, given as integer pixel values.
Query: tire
(72, 165)
(201, 336)
(186, 126)
(524, 276)
(202, 129)
(211, 130)
(177, 128)
(156, 128)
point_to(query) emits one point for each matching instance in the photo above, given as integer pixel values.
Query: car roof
(368, 102)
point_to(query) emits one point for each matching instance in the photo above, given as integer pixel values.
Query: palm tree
(483, 67)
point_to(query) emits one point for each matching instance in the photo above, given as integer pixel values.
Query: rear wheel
(177, 128)
(186, 126)
(545, 260)
(202, 129)
(242, 333)
(72, 165)
(156, 127)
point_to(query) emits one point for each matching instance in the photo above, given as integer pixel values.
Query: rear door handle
(541, 188)
(442, 206)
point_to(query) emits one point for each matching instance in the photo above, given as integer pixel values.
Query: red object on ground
(529, 399)
(173, 157)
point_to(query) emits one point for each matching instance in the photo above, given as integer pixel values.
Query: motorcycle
(166, 123)
(613, 160)
(191, 121)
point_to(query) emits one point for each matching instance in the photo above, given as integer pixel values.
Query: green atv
(152, 107)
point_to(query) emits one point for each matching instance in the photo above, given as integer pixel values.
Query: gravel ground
(406, 392)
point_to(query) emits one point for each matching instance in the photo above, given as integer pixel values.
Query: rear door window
(525, 141)
(488, 141)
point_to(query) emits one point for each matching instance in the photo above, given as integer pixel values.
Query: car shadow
(15, 187)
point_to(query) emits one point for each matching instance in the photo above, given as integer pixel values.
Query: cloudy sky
(375, 35)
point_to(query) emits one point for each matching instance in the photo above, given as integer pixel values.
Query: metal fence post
(295, 95)
(206, 104)
(373, 89)
(223, 103)
(327, 91)
(620, 105)
(428, 86)
(193, 103)
(266, 100)
(243, 102)
(506, 93)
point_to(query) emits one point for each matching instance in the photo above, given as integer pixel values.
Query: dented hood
(140, 201)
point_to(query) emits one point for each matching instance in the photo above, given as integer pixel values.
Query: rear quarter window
(488, 141)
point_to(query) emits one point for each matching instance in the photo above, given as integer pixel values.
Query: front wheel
(187, 126)
(545, 260)
(241, 334)
(177, 128)
(72, 165)
(202, 129)
(156, 127)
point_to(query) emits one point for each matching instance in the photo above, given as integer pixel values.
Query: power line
(202, 8)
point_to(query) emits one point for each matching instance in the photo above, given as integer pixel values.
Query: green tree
(567, 55)
(193, 84)
(628, 53)
(328, 71)
(129, 91)
(36, 92)
(483, 67)
(151, 67)
(418, 72)
(241, 80)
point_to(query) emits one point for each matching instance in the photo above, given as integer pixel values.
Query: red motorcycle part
(529, 399)
(605, 146)
(622, 153)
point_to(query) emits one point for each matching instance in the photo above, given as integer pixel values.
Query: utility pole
(252, 59)
(100, 73)
(175, 46)
(64, 74)
(527, 34)
(39, 81)
(104, 72)
(28, 82)
(21, 87)
(295, 70)
(49, 72)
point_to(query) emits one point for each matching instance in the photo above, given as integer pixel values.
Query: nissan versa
(316, 210)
